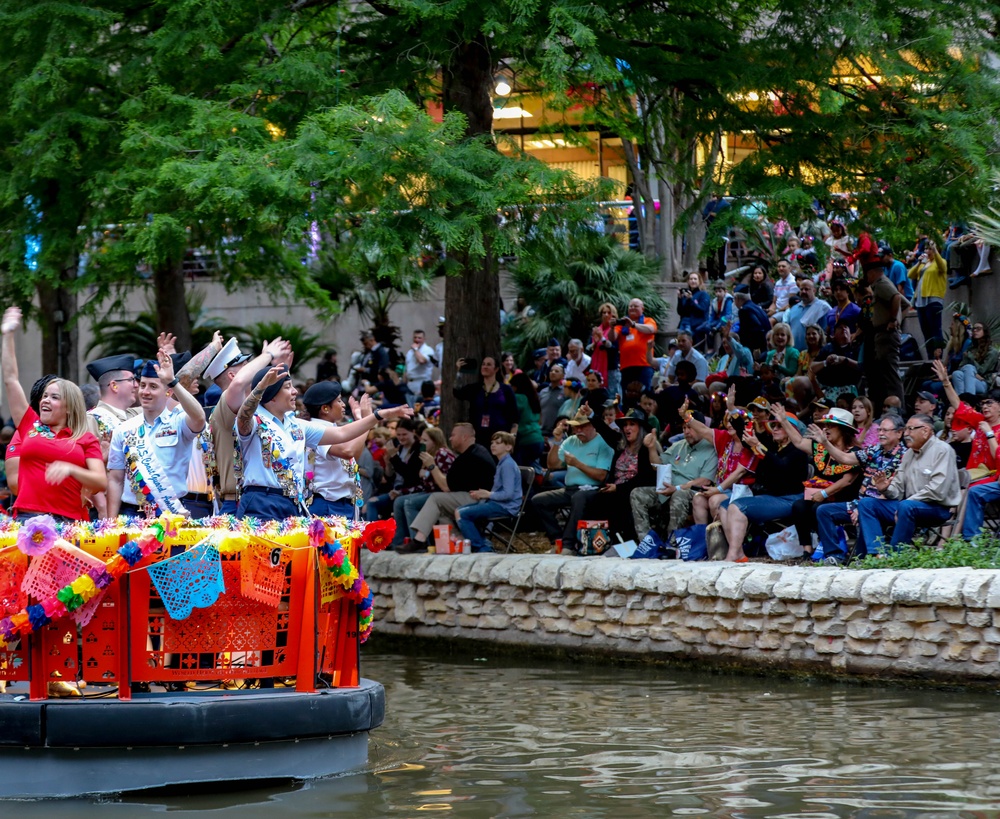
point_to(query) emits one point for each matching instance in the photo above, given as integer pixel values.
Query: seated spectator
(815, 341)
(686, 352)
(923, 491)
(836, 367)
(595, 395)
(402, 467)
(428, 401)
(781, 471)
(958, 434)
(503, 499)
(637, 451)
(754, 325)
(865, 424)
(693, 463)
(586, 458)
(835, 481)
(880, 459)
(721, 312)
(979, 364)
(435, 463)
(650, 406)
(760, 289)
(983, 462)
(784, 288)
(782, 357)
(736, 463)
(671, 398)
(473, 468)
(572, 397)
(809, 310)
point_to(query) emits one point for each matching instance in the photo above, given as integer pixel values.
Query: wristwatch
(173, 383)
(991, 435)
(377, 414)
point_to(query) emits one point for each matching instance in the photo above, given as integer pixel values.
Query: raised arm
(360, 428)
(193, 411)
(16, 399)
(794, 436)
(273, 353)
(941, 371)
(817, 434)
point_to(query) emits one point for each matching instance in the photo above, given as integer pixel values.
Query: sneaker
(833, 560)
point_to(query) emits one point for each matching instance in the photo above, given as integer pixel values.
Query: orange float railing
(284, 613)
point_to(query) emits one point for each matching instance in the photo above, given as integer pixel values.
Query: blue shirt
(507, 485)
(594, 453)
(897, 275)
(168, 438)
(292, 436)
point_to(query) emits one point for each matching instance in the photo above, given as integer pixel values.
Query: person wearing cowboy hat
(840, 480)
(586, 457)
(881, 459)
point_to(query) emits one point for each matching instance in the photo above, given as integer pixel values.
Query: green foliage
(138, 335)
(566, 281)
(982, 552)
(305, 346)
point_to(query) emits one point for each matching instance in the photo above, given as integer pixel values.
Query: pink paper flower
(37, 535)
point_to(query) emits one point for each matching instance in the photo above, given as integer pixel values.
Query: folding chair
(934, 536)
(509, 523)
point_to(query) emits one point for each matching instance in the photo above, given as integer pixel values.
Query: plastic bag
(784, 545)
(690, 542)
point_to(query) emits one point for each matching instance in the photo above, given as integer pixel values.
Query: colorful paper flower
(37, 535)
(379, 534)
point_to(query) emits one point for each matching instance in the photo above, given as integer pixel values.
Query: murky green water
(485, 736)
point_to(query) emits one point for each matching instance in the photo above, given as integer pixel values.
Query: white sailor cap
(228, 356)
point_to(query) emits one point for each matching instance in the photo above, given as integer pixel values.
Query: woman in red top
(59, 457)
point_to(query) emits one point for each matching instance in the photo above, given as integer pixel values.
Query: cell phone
(423, 447)
(471, 365)
(396, 443)
(697, 488)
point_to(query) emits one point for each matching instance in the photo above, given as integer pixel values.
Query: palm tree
(566, 283)
(138, 335)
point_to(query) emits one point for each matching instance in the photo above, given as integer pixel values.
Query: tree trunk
(471, 299)
(60, 334)
(171, 308)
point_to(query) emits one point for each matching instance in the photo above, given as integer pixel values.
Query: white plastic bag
(741, 490)
(784, 545)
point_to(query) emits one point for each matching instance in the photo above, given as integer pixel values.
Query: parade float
(215, 651)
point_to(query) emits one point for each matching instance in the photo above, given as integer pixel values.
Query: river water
(471, 735)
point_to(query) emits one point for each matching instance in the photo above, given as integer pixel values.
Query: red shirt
(729, 459)
(980, 454)
(36, 452)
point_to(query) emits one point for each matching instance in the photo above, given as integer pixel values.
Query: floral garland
(274, 457)
(72, 596)
(351, 468)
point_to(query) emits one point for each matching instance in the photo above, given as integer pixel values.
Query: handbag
(592, 537)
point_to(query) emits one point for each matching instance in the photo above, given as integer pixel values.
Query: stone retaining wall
(941, 624)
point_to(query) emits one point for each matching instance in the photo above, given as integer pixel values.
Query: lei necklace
(208, 459)
(351, 468)
(273, 454)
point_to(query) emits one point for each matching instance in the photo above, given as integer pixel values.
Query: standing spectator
(419, 365)
(808, 310)
(881, 346)
(754, 323)
(374, 359)
(844, 309)
(813, 224)
(529, 443)
(895, 270)
(603, 350)
(931, 275)
(492, 406)
(693, 306)
(979, 364)
(439, 347)
(553, 357)
(326, 370)
(635, 339)
(577, 362)
(839, 243)
(716, 260)
(507, 366)
(550, 399)
(923, 491)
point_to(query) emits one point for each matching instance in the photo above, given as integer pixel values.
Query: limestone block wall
(941, 624)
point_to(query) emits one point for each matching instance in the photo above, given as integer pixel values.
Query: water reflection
(512, 738)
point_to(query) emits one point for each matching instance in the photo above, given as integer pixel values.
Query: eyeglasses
(978, 327)
(120, 380)
(910, 428)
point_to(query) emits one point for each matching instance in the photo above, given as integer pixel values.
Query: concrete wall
(939, 625)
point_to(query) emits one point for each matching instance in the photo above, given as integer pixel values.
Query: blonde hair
(608, 304)
(784, 328)
(436, 435)
(76, 407)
